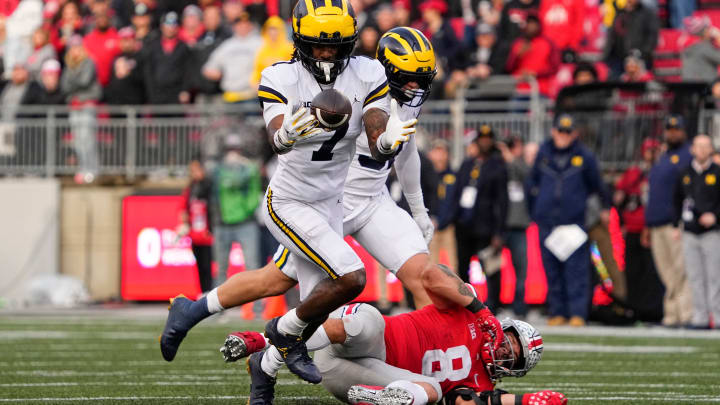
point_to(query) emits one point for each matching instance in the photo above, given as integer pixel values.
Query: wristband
(519, 399)
(281, 146)
(475, 306)
(381, 148)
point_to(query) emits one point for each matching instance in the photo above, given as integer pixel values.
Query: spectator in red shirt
(101, 43)
(562, 22)
(192, 25)
(645, 294)
(534, 55)
(512, 21)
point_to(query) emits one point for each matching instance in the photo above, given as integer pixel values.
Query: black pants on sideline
(645, 290)
(467, 246)
(203, 257)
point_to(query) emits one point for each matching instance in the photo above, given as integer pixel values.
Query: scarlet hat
(438, 5)
(126, 33)
(649, 143)
(404, 4)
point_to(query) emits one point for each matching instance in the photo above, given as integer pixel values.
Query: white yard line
(596, 348)
(143, 398)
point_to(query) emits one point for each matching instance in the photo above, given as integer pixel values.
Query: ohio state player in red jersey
(440, 344)
(419, 357)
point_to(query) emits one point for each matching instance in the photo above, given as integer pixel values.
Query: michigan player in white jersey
(303, 203)
(370, 216)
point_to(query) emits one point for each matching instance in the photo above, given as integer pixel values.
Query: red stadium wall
(156, 265)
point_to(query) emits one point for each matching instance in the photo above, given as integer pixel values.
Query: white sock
(271, 361)
(290, 324)
(213, 303)
(420, 397)
(318, 340)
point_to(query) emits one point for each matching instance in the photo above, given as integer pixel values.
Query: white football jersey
(367, 176)
(316, 169)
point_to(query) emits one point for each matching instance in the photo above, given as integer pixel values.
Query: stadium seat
(667, 63)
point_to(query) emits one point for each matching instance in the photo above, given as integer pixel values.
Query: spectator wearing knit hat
(215, 33)
(127, 84)
(166, 65)
(482, 59)
(46, 90)
(700, 61)
(441, 35)
(192, 27)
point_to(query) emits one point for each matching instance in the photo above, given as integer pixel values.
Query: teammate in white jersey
(370, 216)
(303, 203)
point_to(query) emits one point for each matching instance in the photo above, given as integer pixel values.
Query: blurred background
(133, 153)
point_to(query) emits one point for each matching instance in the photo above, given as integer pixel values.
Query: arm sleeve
(407, 164)
(215, 60)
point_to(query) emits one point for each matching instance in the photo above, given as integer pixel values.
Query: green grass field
(71, 359)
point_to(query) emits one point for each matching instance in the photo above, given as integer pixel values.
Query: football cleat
(371, 395)
(294, 353)
(176, 327)
(241, 344)
(262, 386)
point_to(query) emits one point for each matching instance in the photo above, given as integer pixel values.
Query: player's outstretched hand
(489, 324)
(298, 126)
(396, 132)
(544, 398)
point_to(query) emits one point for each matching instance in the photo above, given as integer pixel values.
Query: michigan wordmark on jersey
(367, 176)
(316, 169)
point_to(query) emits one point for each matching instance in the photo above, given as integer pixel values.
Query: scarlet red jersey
(441, 344)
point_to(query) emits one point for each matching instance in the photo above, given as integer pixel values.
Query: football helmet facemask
(315, 24)
(407, 56)
(507, 363)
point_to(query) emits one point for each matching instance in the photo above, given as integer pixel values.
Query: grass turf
(65, 360)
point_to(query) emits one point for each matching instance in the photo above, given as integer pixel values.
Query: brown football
(331, 108)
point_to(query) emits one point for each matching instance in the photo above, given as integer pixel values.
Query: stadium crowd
(117, 52)
(169, 52)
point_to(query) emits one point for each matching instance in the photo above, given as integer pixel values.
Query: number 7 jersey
(316, 169)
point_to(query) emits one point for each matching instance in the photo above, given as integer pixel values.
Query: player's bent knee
(354, 282)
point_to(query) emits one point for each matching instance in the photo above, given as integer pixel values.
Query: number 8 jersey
(316, 169)
(444, 344)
